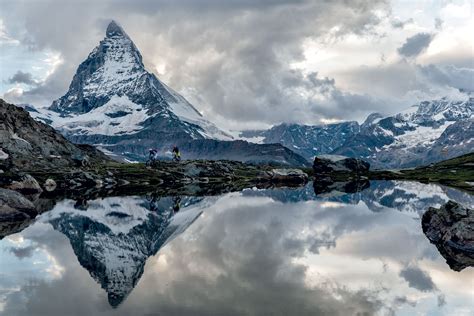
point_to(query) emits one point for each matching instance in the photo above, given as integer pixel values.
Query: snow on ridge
(100, 121)
(122, 67)
(421, 136)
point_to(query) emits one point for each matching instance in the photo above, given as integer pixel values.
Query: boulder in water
(16, 212)
(334, 163)
(451, 229)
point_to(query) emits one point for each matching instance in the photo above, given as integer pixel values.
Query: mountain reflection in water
(336, 249)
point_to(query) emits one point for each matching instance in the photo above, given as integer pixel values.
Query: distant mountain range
(428, 132)
(114, 103)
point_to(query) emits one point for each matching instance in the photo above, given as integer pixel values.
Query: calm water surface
(256, 252)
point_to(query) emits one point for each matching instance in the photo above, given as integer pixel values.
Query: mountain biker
(176, 153)
(153, 154)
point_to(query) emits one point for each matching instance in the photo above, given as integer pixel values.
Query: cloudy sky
(251, 64)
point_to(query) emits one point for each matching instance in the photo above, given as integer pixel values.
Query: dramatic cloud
(452, 76)
(415, 45)
(22, 77)
(25, 252)
(249, 64)
(418, 279)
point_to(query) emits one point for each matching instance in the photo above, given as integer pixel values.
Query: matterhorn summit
(112, 97)
(114, 103)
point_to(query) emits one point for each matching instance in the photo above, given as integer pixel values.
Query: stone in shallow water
(451, 229)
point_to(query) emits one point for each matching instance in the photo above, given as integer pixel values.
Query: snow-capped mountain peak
(112, 95)
(424, 133)
(113, 29)
(439, 110)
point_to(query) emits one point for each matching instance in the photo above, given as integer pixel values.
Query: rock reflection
(328, 186)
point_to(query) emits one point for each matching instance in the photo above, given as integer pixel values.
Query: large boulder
(451, 229)
(25, 184)
(324, 164)
(16, 212)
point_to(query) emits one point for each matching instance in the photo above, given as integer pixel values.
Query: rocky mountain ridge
(428, 132)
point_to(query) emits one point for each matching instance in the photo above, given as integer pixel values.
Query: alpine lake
(309, 250)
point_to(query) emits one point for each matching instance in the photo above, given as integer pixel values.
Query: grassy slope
(456, 172)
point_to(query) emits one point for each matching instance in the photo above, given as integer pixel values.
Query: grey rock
(325, 164)
(25, 184)
(451, 229)
(30, 144)
(50, 185)
(16, 212)
(13, 201)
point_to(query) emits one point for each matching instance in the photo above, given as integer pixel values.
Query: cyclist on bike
(176, 153)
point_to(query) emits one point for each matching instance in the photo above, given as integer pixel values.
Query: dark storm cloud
(415, 44)
(24, 252)
(418, 279)
(22, 77)
(235, 55)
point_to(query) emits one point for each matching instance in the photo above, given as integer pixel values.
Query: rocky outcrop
(451, 229)
(25, 184)
(325, 164)
(28, 144)
(16, 212)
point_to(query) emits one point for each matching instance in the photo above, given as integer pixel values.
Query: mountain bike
(152, 158)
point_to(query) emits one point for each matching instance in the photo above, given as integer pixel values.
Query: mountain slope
(306, 140)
